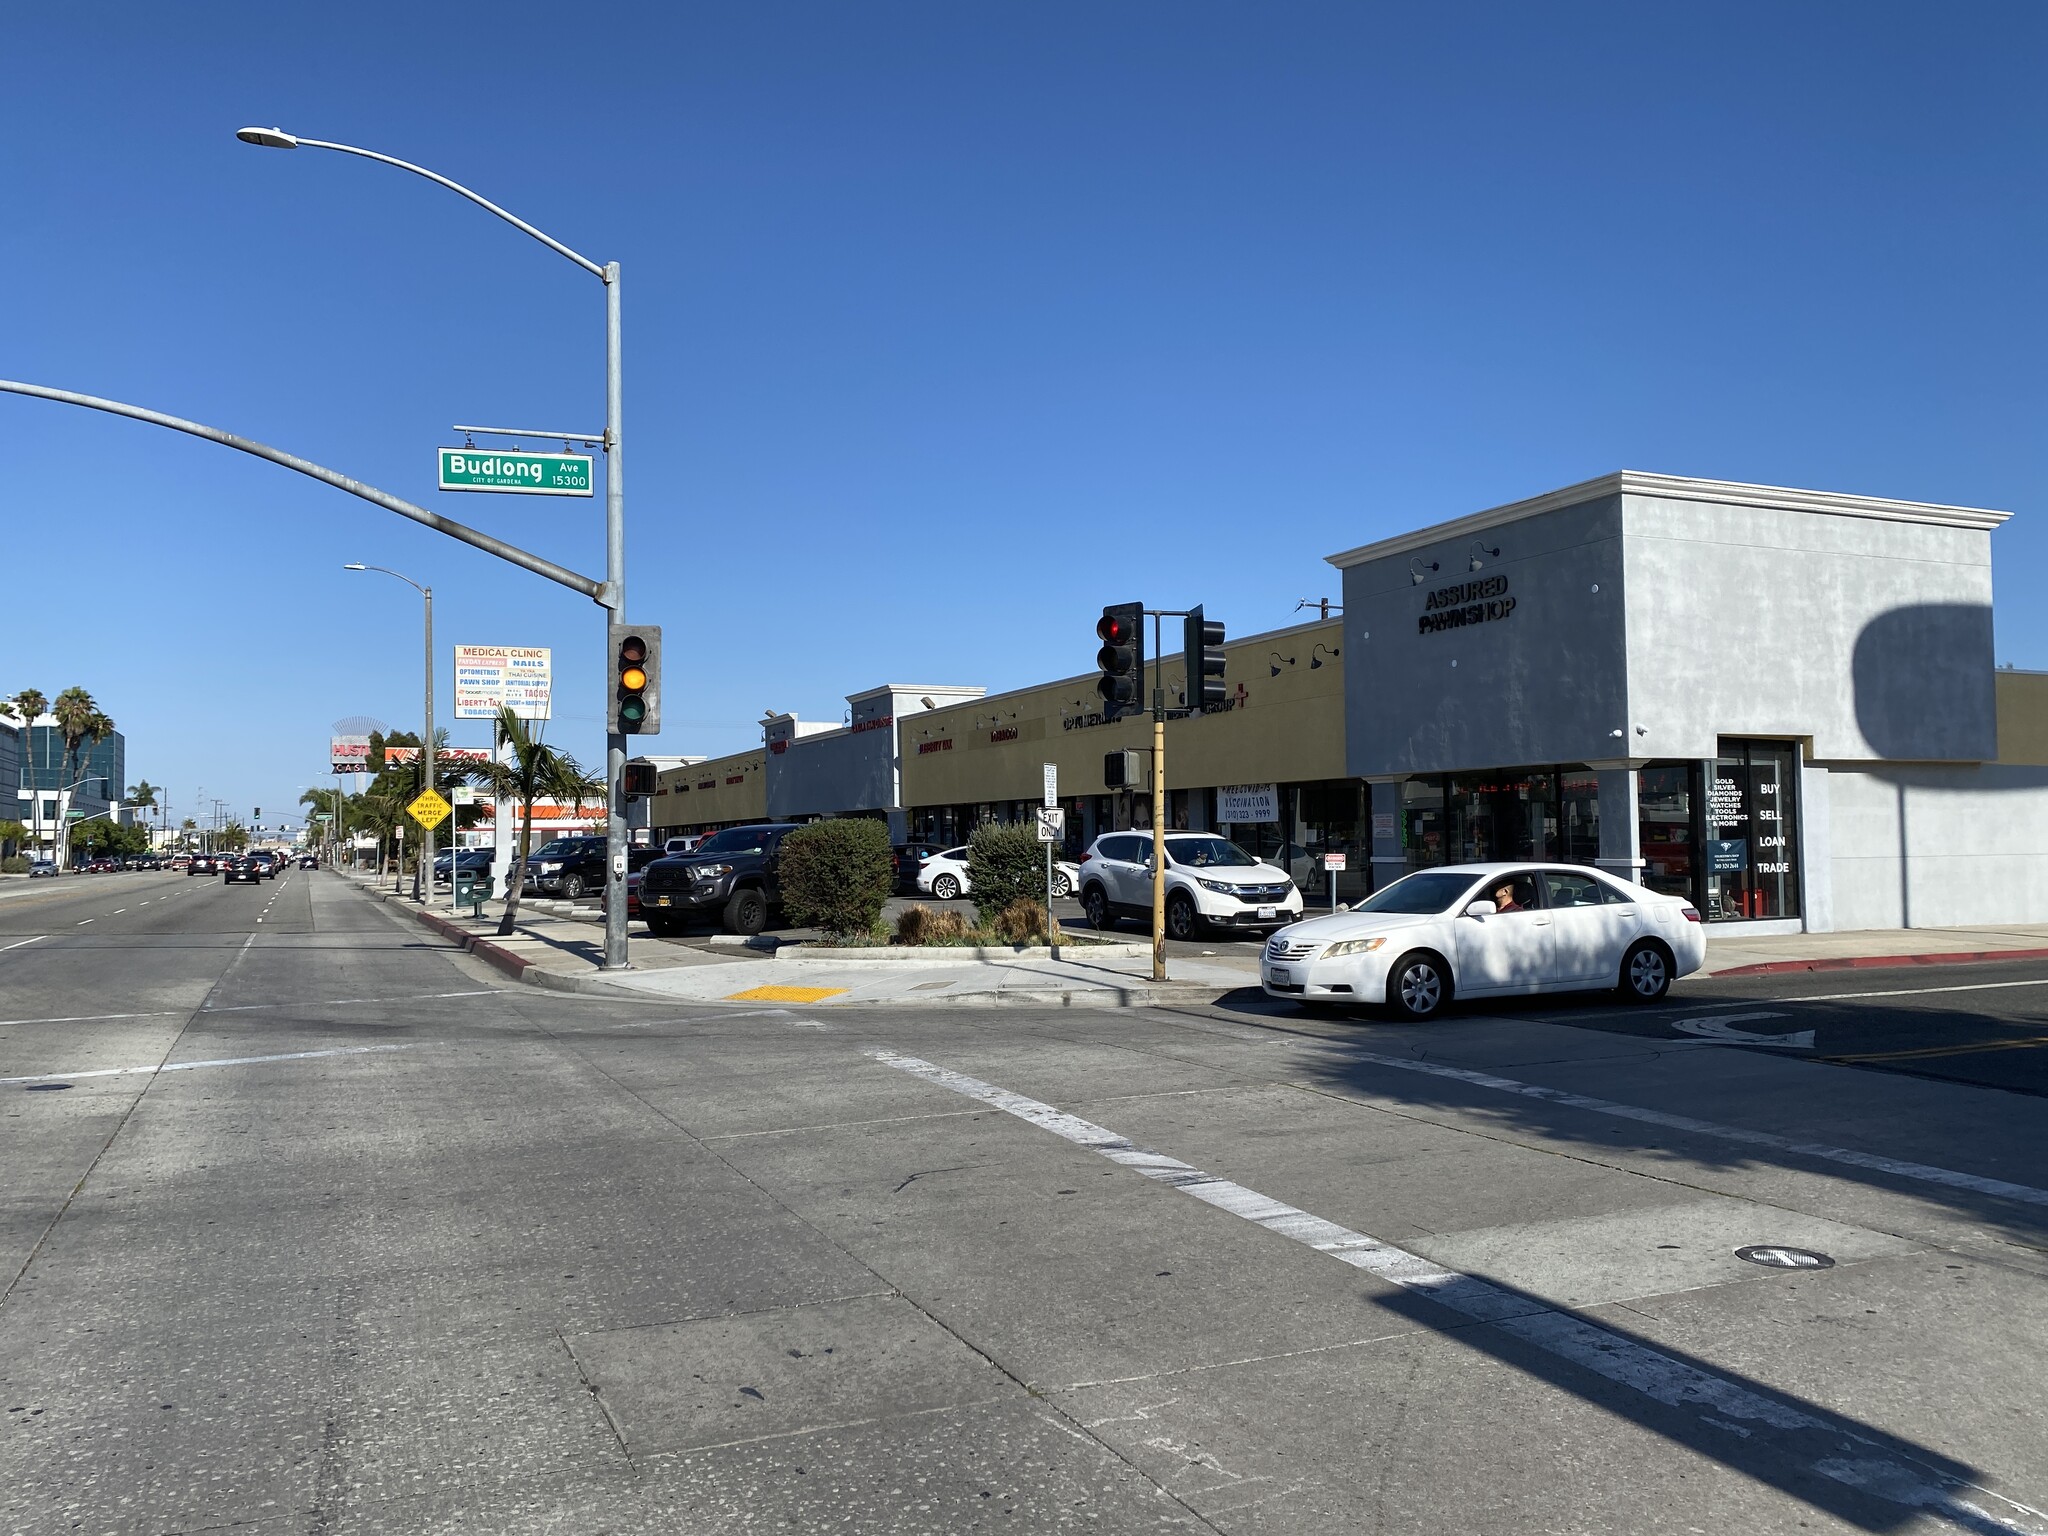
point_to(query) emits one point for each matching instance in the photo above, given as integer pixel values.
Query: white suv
(1210, 883)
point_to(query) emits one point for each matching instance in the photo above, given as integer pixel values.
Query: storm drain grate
(1773, 1256)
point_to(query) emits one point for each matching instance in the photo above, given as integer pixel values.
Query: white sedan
(944, 875)
(1488, 930)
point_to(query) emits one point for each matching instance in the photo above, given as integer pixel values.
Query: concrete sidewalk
(559, 945)
(561, 950)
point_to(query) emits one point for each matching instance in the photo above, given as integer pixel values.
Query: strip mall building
(1782, 704)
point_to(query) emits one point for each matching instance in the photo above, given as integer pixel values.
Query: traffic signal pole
(614, 602)
(1158, 809)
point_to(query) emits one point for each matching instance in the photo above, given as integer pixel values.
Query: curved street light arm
(455, 186)
(595, 590)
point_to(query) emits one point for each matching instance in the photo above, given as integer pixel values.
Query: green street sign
(529, 474)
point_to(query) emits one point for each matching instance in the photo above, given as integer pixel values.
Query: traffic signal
(639, 780)
(1123, 769)
(636, 680)
(1202, 650)
(1122, 658)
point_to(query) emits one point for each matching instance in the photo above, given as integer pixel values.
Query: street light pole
(423, 872)
(612, 598)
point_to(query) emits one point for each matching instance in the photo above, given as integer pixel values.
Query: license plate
(1280, 977)
(1268, 912)
(661, 901)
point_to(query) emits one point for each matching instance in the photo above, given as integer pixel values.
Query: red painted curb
(1868, 962)
(495, 955)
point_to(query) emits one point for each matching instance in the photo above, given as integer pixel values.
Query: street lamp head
(354, 566)
(267, 138)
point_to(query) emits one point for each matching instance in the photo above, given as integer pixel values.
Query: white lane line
(36, 940)
(1924, 1173)
(1974, 986)
(327, 1002)
(118, 911)
(192, 1066)
(84, 920)
(1832, 1449)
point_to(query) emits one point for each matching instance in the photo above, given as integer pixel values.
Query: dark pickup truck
(735, 873)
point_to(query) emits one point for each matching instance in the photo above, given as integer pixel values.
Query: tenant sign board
(493, 677)
(348, 754)
(527, 474)
(1248, 804)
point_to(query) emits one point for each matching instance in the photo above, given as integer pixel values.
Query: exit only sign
(530, 474)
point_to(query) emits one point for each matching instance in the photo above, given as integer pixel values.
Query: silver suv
(1210, 883)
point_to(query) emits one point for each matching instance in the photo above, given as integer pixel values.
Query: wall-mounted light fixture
(1480, 554)
(1277, 659)
(1416, 567)
(1315, 661)
(927, 703)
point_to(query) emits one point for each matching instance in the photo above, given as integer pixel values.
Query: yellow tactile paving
(786, 994)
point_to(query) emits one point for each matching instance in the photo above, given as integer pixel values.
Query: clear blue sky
(944, 319)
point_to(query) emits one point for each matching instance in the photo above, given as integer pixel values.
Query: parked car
(567, 866)
(944, 875)
(735, 873)
(474, 861)
(41, 869)
(637, 860)
(1488, 930)
(241, 870)
(1066, 877)
(1210, 883)
(682, 844)
(908, 859)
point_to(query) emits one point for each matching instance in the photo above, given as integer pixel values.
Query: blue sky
(942, 320)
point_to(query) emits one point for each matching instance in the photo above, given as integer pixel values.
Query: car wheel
(1645, 972)
(946, 888)
(1061, 885)
(1096, 900)
(746, 913)
(572, 886)
(1418, 986)
(1182, 922)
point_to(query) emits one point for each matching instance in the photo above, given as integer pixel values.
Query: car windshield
(1207, 853)
(1431, 891)
(555, 849)
(735, 840)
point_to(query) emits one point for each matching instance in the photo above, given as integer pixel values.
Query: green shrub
(837, 874)
(17, 865)
(1005, 865)
(930, 925)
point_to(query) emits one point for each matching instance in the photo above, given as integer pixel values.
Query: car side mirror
(1481, 909)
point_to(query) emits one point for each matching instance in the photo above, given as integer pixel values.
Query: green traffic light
(632, 711)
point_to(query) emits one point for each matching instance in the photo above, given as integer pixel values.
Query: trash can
(472, 890)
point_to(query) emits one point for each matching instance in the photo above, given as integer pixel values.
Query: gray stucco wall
(1547, 683)
(1938, 847)
(832, 773)
(1872, 637)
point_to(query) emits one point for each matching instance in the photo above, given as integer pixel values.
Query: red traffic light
(1113, 629)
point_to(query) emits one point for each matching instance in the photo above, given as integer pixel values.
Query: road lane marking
(84, 920)
(193, 1066)
(118, 911)
(1974, 986)
(1924, 1173)
(2023, 1043)
(36, 940)
(1833, 1448)
(1719, 1029)
(326, 1002)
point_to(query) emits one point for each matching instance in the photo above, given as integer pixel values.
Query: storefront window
(1334, 820)
(1578, 816)
(1752, 808)
(1505, 815)
(1666, 797)
(1422, 822)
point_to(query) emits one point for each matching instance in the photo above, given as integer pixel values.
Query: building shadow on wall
(1924, 692)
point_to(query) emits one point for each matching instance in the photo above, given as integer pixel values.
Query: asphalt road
(310, 1225)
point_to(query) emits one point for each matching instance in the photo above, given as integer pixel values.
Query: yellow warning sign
(430, 809)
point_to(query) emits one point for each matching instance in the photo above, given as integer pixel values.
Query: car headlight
(1345, 947)
(712, 871)
(1218, 887)
(549, 869)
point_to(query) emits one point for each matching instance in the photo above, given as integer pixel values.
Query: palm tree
(537, 772)
(83, 725)
(29, 706)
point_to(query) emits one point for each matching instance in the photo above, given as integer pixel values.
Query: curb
(519, 968)
(1872, 962)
